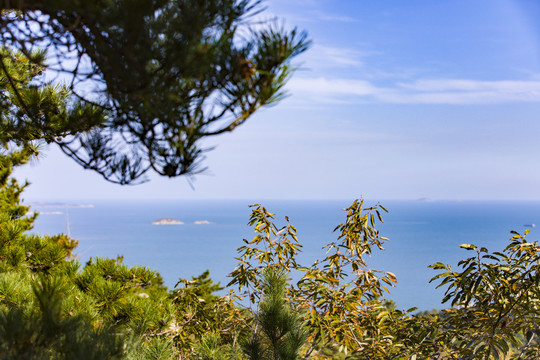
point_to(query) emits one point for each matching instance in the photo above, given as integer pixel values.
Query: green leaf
(437, 266)
(379, 215)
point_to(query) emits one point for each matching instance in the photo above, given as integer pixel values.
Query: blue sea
(420, 233)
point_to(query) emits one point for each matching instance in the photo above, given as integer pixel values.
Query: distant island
(202, 222)
(167, 221)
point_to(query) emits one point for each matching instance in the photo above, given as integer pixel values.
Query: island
(167, 221)
(202, 222)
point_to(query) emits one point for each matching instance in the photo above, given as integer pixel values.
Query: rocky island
(167, 221)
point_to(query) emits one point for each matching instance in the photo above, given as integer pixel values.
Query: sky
(394, 100)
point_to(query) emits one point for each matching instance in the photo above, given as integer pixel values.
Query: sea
(420, 232)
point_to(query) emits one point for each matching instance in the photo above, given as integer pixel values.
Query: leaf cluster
(206, 323)
(337, 295)
(497, 294)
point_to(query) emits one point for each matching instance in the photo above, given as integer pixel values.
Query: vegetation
(52, 307)
(147, 80)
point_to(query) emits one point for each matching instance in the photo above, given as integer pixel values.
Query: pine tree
(50, 309)
(31, 109)
(147, 79)
(279, 333)
(34, 287)
(38, 328)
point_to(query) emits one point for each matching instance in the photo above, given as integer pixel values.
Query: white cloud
(332, 87)
(423, 91)
(431, 85)
(321, 56)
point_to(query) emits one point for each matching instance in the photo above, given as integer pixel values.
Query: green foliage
(151, 78)
(13, 215)
(338, 296)
(270, 248)
(496, 299)
(278, 333)
(132, 297)
(340, 293)
(32, 110)
(50, 309)
(206, 324)
(211, 347)
(39, 329)
(18, 250)
(157, 348)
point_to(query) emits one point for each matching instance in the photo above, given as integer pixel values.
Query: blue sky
(395, 100)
